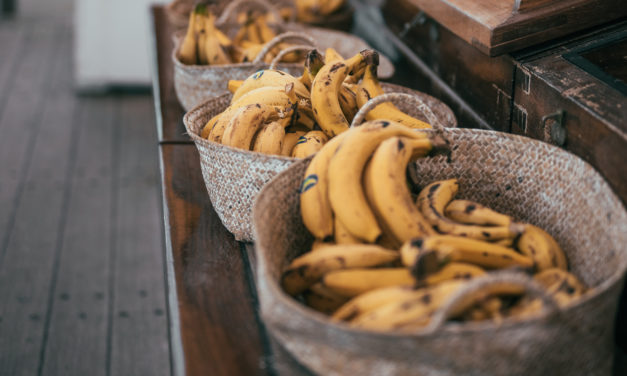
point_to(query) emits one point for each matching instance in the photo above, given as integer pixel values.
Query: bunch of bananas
(205, 44)
(308, 111)
(312, 11)
(387, 259)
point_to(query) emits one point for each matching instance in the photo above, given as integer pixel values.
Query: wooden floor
(82, 287)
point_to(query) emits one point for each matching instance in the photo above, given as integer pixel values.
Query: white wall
(111, 41)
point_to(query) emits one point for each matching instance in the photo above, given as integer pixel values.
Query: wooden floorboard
(81, 269)
(139, 330)
(77, 332)
(35, 150)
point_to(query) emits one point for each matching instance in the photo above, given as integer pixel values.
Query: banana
(325, 90)
(270, 77)
(430, 253)
(313, 63)
(215, 53)
(450, 271)
(329, 6)
(413, 311)
(348, 102)
(385, 184)
(265, 32)
(345, 170)
(331, 55)
(473, 213)
(353, 282)
(269, 139)
(206, 130)
(542, 248)
(370, 88)
(319, 244)
(188, 52)
(309, 144)
(289, 141)
(280, 97)
(371, 300)
(200, 14)
(245, 123)
(562, 285)
(323, 299)
(315, 207)
(342, 236)
(307, 269)
(433, 199)
(233, 85)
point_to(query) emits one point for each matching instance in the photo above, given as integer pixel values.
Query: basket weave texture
(234, 177)
(528, 179)
(195, 84)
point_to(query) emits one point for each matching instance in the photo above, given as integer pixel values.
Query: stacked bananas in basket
(273, 112)
(313, 11)
(205, 44)
(387, 259)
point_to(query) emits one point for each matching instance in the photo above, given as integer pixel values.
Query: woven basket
(195, 84)
(528, 179)
(234, 177)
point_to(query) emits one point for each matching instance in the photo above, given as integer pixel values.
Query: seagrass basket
(530, 180)
(195, 84)
(234, 177)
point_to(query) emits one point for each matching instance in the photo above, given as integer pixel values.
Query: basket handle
(280, 38)
(234, 5)
(285, 51)
(391, 97)
(460, 296)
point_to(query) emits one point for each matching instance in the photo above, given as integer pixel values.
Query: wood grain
(139, 332)
(79, 297)
(493, 27)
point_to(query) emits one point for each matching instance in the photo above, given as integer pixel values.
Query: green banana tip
(200, 9)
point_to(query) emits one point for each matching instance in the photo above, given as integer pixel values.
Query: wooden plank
(281, 361)
(493, 27)
(37, 141)
(213, 302)
(139, 332)
(170, 113)
(12, 37)
(19, 120)
(77, 335)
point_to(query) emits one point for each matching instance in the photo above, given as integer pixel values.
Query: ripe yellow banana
(310, 143)
(346, 193)
(206, 130)
(542, 248)
(233, 85)
(269, 139)
(564, 286)
(188, 52)
(315, 207)
(329, 6)
(245, 123)
(436, 196)
(331, 55)
(323, 299)
(413, 311)
(437, 250)
(270, 77)
(353, 282)
(348, 102)
(370, 88)
(385, 185)
(200, 14)
(370, 300)
(313, 63)
(289, 141)
(280, 97)
(325, 89)
(307, 269)
(215, 53)
(473, 213)
(341, 235)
